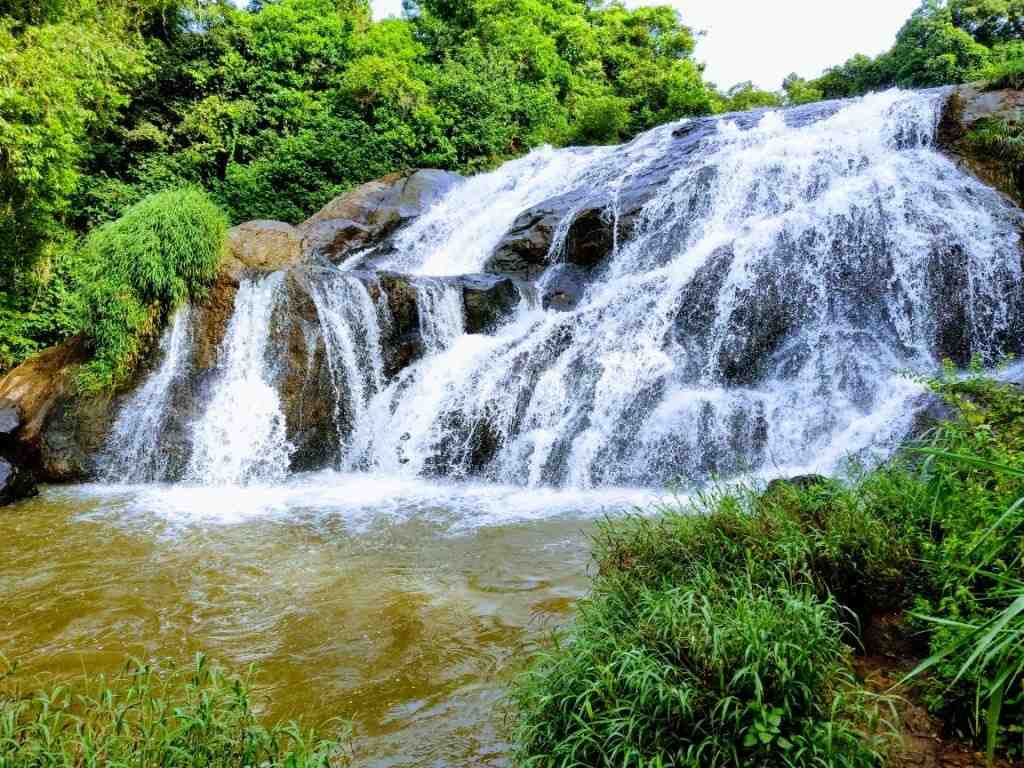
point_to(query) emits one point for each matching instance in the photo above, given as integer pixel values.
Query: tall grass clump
(194, 717)
(712, 639)
(134, 271)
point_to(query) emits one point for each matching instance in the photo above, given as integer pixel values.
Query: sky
(765, 41)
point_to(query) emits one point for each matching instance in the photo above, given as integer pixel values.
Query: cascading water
(133, 454)
(753, 315)
(241, 436)
(439, 306)
(350, 324)
(756, 319)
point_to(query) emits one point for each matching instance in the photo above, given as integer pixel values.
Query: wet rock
(304, 377)
(334, 238)
(16, 483)
(73, 438)
(524, 250)
(402, 340)
(261, 246)
(36, 386)
(488, 300)
(370, 213)
(563, 287)
(930, 411)
(10, 420)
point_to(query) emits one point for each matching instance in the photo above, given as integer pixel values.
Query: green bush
(163, 251)
(713, 672)
(196, 717)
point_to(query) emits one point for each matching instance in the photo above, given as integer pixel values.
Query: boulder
(563, 287)
(487, 301)
(371, 212)
(333, 238)
(16, 483)
(262, 246)
(36, 386)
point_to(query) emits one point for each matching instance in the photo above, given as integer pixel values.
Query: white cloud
(765, 41)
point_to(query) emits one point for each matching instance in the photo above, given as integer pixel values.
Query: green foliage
(197, 716)
(713, 638)
(716, 671)
(744, 96)
(135, 270)
(58, 81)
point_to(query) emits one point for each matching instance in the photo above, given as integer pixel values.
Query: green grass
(195, 717)
(132, 272)
(719, 630)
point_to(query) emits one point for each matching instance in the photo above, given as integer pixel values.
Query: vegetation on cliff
(721, 631)
(191, 717)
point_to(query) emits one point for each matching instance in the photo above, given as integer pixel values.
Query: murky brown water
(403, 608)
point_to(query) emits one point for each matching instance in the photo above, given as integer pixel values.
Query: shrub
(187, 718)
(163, 251)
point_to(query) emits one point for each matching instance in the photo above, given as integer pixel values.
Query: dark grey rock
(487, 301)
(563, 287)
(16, 483)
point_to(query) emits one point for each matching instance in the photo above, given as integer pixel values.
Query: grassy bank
(723, 631)
(192, 717)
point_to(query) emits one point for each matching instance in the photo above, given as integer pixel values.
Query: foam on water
(240, 438)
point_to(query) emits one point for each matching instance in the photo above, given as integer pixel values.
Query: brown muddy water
(401, 606)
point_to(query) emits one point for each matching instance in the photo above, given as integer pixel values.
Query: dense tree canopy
(275, 108)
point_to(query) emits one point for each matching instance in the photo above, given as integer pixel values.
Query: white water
(134, 454)
(439, 305)
(833, 230)
(241, 436)
(351, 328)
(458, 233)
(755, 321)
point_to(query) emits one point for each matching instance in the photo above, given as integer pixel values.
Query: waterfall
(769, 280)
(350, 325)
(241, 435)
(133, 454)
(439, 305)
(756, 319)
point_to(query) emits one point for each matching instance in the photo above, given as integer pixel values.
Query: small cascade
(240, 438)
(133, 453)
(458, 233)
(439, 304)
(351, 326)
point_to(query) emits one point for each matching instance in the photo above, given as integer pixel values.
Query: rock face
(263, 246)
(967, 106)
